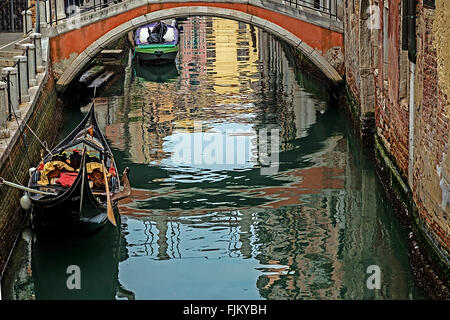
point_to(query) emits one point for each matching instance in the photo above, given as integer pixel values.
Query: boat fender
(25, 202)
(27, 235)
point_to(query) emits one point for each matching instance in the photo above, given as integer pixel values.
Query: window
(317, 4)
(429, 3)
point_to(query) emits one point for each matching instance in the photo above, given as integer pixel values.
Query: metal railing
(71, 9)
(7, 79)
(328, 7)
(25, 20)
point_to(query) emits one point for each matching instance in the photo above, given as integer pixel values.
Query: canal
(248, 183)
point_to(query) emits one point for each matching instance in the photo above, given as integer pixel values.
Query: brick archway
(69, 56)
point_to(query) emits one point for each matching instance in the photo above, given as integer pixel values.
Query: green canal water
(248, 183)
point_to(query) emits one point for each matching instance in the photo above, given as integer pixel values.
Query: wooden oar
(108, 198)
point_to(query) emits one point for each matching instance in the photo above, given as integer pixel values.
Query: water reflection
(225, 231)
(156, 73)
(81, 269)
(308, 232)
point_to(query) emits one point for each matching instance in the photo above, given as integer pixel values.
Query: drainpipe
(412, 53)
(412, 73)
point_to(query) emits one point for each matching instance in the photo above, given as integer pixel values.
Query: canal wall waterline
(43, 116)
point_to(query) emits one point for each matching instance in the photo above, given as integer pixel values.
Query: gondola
(71, 194)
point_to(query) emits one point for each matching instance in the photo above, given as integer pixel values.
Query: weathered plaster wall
(351, 44)
(420, 193)
(359, 65)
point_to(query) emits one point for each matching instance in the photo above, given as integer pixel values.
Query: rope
(43, 144)
(11, 184)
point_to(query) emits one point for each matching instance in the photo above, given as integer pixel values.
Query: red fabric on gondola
(66, 179)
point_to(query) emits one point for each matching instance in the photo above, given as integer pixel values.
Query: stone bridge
(74, 41)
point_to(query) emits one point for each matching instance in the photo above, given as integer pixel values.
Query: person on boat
(75, 159)
(157, 34)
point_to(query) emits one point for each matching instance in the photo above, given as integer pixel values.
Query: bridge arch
(71, 67)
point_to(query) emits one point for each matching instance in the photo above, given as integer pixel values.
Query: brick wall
(429, 177)
(432, 135)
(392, 110)
(45, 122)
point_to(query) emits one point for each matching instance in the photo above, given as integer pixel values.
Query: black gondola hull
(66, 218)
(75, 211)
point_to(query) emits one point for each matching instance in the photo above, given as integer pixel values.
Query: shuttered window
(429, 3)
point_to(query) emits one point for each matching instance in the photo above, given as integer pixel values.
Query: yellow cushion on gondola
(91, 166)
(52, 166)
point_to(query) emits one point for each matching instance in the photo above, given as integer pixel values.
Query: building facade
(399, 78)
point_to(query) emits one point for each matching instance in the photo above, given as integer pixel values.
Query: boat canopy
(169, 36)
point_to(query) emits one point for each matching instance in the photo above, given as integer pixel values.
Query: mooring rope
(14, 185)
(43, 144)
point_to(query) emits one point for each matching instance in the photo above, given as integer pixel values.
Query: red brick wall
(391, 112)
(432, 106)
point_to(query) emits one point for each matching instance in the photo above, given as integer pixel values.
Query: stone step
(10, 53)
(7, 62)
(18, 46)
